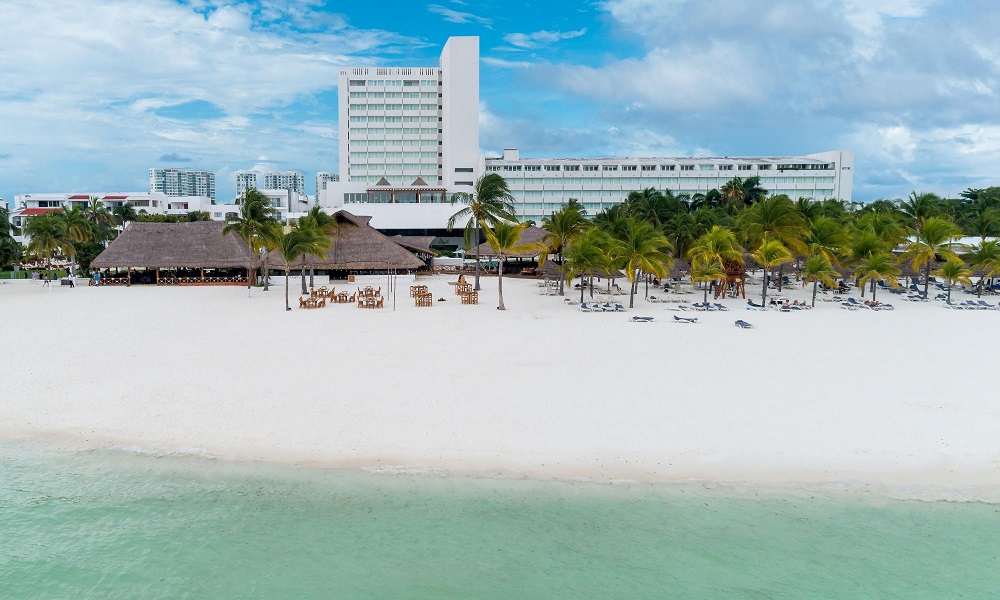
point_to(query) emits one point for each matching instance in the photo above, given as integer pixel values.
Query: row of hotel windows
(360, 143)
(395, 197)
(400, 180)
(359, 107)
(394, 131)
(383, 168)
(393, 82)
(385, 119)
(653, 181)
(395, 95)
(703, 167)
(394, 154)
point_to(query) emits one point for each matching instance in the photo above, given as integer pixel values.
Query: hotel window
(492, 169)
(610, 167)
(687, 167)
(411, 94)
(532, 167)
(648, 167)
(725, 167)
(763, 167)
(571, 167)
(551, 167)
(356, 82)
(706, 167)
(589, 167)
(745, 167)
(667, 167)
(629, 167)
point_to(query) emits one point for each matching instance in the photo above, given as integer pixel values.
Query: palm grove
(821, 240)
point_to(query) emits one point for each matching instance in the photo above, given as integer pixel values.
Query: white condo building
(542, 185)
(285, 180)
(245, 180)
(182, 182)
(323, 178)
(408, 136)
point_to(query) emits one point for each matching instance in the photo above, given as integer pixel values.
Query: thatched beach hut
(357, 249)
(176, 254)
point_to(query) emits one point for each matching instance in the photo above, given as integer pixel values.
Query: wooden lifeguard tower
(736, 277)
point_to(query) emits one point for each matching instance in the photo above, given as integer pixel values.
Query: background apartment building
(285, 180)
(182, 182)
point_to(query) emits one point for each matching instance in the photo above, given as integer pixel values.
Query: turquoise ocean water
(114, 524)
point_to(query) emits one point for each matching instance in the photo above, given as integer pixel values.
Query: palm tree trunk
(949, 292)
(631, 296)
(562, 280)
(927, 276)
(263, 268)
(249, 279)
(781, 272)
(476, 287)
(312, 281)
(304, 290)
(72, 266)
(873, 294)
(287, 307)
(500, 284)
(582, 288)
(763, 291)
(705, 299)
(815, 283)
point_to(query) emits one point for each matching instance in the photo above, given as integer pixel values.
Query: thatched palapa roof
(175, 245)
(530, 235)
(416, 243)
(357, 246)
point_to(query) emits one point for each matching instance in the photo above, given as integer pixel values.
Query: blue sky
(95, 93)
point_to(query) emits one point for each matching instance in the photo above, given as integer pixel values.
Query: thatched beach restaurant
(175, 254)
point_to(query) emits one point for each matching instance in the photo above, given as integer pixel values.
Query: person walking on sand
(46, 282)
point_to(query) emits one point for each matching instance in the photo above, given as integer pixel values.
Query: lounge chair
(743, 324)
(638, 319)
(688, 320)
(619, 307)
(584, 307)
(720, 306)
(849, 306)
(952, 305)
(652, 299)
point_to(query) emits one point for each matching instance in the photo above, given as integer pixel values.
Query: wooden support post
(128, 275)
(203, 274)
(157, 276)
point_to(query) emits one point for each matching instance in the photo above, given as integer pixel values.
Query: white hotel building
(409, 139)
(542, 185)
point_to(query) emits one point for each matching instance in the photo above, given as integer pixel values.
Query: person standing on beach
(46, 282)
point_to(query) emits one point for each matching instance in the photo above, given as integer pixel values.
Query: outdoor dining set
(366, 298)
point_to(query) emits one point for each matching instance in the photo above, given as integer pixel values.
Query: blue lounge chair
(743, 324)
(720, 306)
(689, 320)
(584, 307)
(952, 305)
(638, 319)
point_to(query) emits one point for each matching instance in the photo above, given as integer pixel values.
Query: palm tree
(101, 218)
(919, 207)
(828, 238)
(505, 239)
(78, 231)
(771, 253)
(718, 244)
(561, 228)
(818, 269)
(586, 255)
(489, 203)
(707, 272)
(953, 271)
(327, 225)
(48, 237)
(255, 212)
(986, 258)
(774, 218)
(933, 236)
(640, 248)
(10, 251)
(878, 266)
(6, 228)
(125, 213)
(295, 243)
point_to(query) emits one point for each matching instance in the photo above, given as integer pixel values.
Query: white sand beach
(884, 398)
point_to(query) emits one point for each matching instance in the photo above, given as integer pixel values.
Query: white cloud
(455, 16)
(539, 39)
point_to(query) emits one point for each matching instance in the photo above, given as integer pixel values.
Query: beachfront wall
(177, 254)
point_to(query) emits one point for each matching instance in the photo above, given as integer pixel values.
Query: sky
(93, 94)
